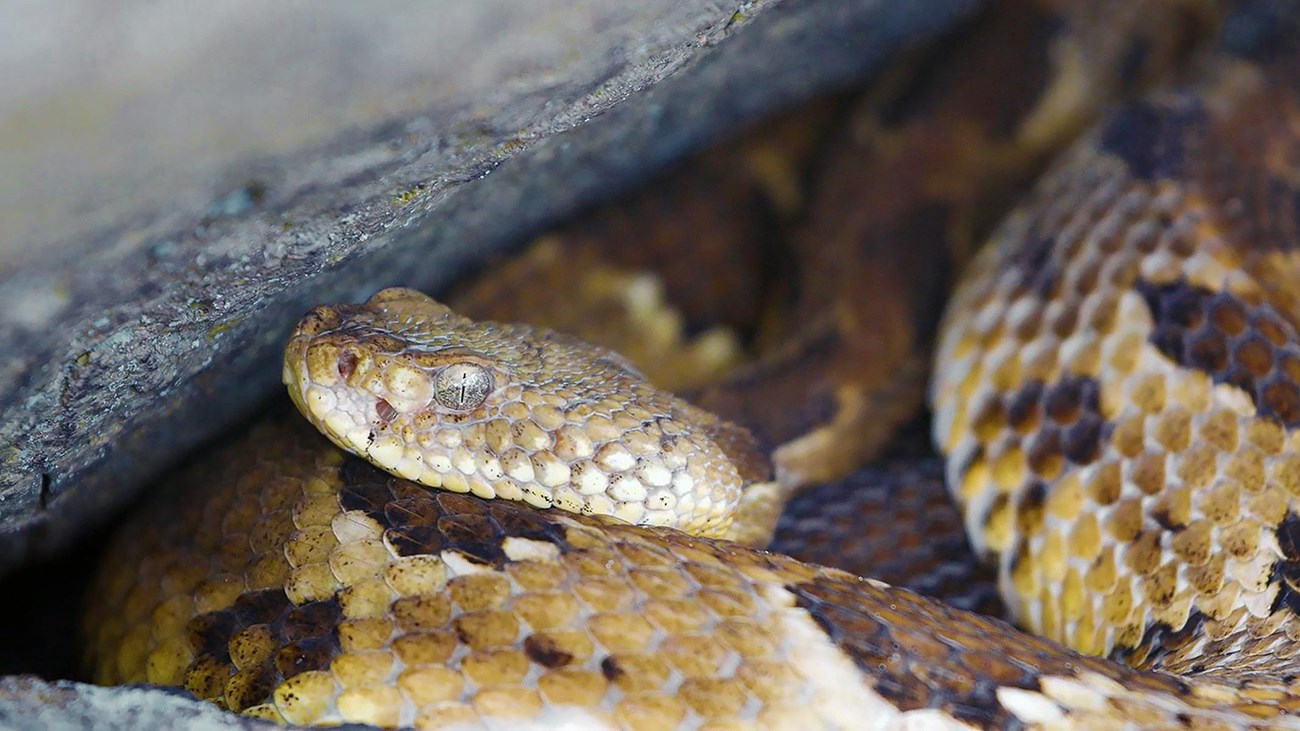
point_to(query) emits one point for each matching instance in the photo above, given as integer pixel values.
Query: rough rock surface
(28, 702)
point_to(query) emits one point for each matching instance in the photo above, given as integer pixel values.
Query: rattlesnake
(1115, 384)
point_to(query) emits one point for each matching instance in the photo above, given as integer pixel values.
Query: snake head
(515, 412)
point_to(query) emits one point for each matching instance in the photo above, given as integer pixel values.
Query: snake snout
(323, 361)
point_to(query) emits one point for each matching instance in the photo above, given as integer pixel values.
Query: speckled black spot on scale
(1154, 138)
(210, 633)
(610, 668)
(546, 652)
(314, 653)
(251, 686)
(1248, 346)
(305, 635)
(206, 677)
(1162, 518)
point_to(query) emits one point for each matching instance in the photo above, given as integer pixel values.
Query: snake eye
(462, 386)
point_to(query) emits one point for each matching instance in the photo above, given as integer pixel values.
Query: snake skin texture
(545, 419)
(1119, 382)
(915, 538)
(1115, 390)
(288, 581)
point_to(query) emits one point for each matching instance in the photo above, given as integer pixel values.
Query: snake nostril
(347, 363)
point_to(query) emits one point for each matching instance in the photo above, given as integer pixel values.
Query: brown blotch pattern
(896, 524)
(1061, 421)
(797, 395)
(954, 669)
(1249, 346)
(636, 628)
(494, 610)
(1287, 569)
(1155, 139)
(1249, 157)
(419, 521)
(1161, 641)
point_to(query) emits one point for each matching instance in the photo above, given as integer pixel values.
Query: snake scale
(1115, 391)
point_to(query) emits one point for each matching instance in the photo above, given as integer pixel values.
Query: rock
(31, 703)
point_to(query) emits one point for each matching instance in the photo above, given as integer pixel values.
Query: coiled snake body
(1116, 388)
